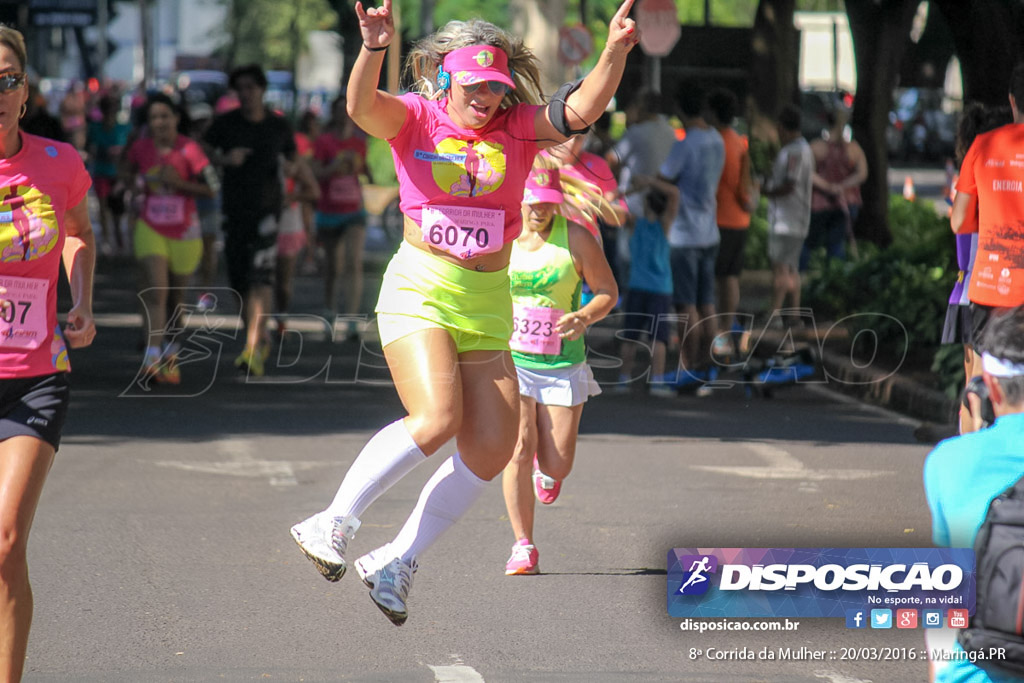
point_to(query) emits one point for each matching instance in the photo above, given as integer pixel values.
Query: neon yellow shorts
(421, 291)
(182, 256)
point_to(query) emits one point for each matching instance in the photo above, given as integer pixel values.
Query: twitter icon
(881, 618)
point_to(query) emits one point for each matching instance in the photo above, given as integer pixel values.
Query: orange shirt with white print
(993, 171)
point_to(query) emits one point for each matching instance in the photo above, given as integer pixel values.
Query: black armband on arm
(556, 109)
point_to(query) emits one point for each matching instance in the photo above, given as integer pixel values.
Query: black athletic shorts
(250, 251)
(730, 252)
(980, 315)
(34, 406)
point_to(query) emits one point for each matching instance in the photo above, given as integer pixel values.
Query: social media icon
(932, 618)
(957, 618)
(906, 618)
(881, 618)
(856, 618)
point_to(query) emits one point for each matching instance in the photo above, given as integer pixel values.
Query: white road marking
(241, 463)
(460, 673)
(780, 464)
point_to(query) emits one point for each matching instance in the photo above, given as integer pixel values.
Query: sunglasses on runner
(496, 87)
(11, 81)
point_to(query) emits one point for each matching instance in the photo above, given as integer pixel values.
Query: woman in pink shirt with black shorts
(44, 220)
(464, 143)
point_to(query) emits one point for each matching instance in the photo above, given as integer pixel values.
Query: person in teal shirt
(649, 300)
(963, 474)
(105, 141)
(551, 260)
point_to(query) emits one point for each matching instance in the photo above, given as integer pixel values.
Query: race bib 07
(23, 313)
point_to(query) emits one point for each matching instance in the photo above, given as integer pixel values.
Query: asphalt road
(161, 552)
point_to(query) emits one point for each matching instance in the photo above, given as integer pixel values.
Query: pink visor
(478, 63)
(543, 186)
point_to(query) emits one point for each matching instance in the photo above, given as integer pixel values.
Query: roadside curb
(887, 389)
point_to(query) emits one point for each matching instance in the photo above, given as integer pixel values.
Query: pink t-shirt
(339, 193)
(172, 214)
(37, 186)
(441, 163)
(594, 169)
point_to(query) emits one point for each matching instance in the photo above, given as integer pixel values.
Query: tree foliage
(270, 32)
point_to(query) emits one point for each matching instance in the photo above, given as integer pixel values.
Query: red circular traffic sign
(574, 44)
(659, 26)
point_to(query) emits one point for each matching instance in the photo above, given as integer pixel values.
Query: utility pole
(101, 46)
(426, 17)
(146, 30)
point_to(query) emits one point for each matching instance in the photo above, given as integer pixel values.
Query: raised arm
(379, 113)
(584, 105)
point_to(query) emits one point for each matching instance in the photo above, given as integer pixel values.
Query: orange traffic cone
(908, 189)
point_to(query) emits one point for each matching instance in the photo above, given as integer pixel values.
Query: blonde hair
(583, 202)
(427, 55)
(15, 42)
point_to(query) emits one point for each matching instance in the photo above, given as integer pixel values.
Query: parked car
(816, 105)
(200, 85)
(920, 128)
(279, 94)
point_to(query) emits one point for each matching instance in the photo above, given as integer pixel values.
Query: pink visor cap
(478, 63)
(543, 186)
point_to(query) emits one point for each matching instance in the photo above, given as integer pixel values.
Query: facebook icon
(855, 618)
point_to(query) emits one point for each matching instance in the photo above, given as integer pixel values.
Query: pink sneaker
(546, 488)
(524, 559)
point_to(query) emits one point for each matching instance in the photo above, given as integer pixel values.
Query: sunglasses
(496, 87)
(11, 81)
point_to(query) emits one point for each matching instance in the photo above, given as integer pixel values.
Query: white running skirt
(567, 387)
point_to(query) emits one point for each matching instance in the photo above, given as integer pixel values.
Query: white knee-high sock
(385, 459)
(445, 498)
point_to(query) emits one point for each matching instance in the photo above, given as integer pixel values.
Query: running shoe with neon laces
(169, 372)
(544, 487)
(391, 584)
(324, 539)
(524, 560)
(263, 351)
(250, 361)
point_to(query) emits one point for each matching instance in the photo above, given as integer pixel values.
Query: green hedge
(906, 285)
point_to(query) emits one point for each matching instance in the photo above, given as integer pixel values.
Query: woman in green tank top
(550, 261)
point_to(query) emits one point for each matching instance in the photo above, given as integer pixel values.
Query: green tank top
(547, 278)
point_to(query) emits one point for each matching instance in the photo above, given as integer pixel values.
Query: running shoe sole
(525, 571)
(330, 570)
(397, 618)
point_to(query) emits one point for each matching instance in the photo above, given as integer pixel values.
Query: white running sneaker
(391, 584)
(323, 539)
(368, 565)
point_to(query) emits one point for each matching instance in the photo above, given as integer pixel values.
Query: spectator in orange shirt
(737, 197)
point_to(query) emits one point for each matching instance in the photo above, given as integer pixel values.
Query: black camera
(977, 387)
